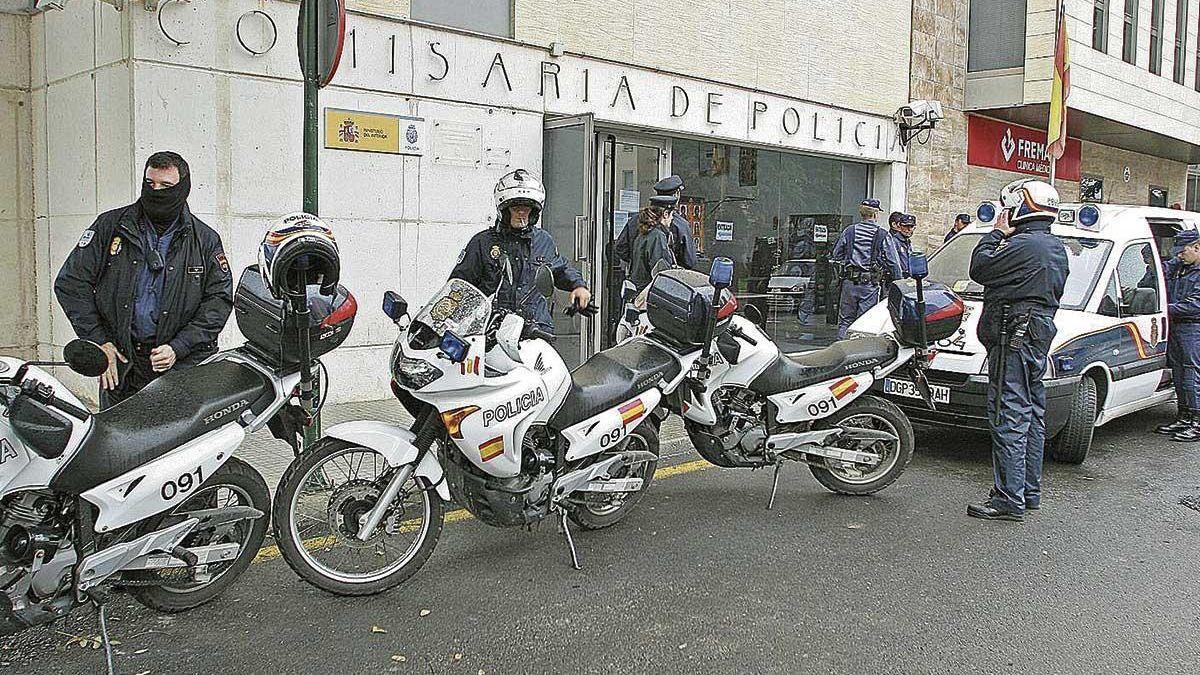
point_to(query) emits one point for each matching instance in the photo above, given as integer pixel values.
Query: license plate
(909, 390)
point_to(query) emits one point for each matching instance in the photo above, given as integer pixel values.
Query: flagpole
(1052, 167)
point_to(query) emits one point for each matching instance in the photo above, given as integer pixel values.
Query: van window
(1110, 304)
(951, 265)
(1137, 278)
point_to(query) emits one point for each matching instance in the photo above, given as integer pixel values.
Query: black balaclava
(162, 207)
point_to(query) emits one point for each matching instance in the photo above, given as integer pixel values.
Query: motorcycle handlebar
(541, 334)
(739, 333)
(589, 310)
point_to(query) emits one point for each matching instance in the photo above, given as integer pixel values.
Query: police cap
(907, 220)
(1187, 237)
(668, 185)
(872, 204)
(964, 218)
(664, 201)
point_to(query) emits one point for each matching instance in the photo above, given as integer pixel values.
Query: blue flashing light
(986, 212)
(721, 274)
(454, 347)
(1089, 216)
(918, 265)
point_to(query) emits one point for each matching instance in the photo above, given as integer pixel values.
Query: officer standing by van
(148, 282)
(503, 258)
(961, 221)
(1023, 270)
(1183, 341)
(866, 255)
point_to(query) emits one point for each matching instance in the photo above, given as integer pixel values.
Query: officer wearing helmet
(503, 258)
(1183, 341)
(1023, 270)
(867, 257)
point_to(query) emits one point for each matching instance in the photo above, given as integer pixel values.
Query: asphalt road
(702, 579)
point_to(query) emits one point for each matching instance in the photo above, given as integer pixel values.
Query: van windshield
(951, 265)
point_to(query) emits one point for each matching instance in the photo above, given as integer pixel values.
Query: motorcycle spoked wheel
(873, 413)
(176, 589)
(595, 511)
(320, 498)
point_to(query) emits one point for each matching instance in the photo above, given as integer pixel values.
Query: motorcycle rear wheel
(176, 589)
(598, 511)
(875, 413)
(314, 479)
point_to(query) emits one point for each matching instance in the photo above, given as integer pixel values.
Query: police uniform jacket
(97, 284)
(903, 251)
(681, 241)
(648, 249)
(1026, 271)
(868, 247)
(1183, 292)
(482, 264)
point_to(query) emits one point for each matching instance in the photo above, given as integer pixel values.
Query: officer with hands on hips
(1023, 270)
(503, 258)
(867, 256)
(1183, 340)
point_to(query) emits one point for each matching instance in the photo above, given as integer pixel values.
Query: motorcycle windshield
(457, 306)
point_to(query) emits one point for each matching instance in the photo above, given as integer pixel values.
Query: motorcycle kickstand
(562, 526)
(774, 484)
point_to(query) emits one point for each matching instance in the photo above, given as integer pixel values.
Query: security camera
(916, 117)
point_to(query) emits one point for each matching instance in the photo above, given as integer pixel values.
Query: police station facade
(775, 155)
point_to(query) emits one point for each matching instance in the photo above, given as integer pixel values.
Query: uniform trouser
(1019, 439)
(1183, 352)
(856, 300)
(137, 375)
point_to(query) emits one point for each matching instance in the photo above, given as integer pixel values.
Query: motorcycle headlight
(414, 374)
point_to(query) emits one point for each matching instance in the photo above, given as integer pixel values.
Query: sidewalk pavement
(271, 456)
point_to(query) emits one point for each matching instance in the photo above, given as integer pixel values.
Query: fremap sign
(1011, 147)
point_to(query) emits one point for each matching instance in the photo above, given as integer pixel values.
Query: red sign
(1011, 147)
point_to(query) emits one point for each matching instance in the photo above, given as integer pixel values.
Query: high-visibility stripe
(492, 449)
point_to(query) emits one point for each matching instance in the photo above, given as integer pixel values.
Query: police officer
(1183, 341)
(502, 259)
(1023, 270)
(683, 244)
(867, 256)
(960, 221)
(902, 231)
(148, 282)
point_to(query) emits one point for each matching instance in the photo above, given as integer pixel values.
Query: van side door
(1136, 294)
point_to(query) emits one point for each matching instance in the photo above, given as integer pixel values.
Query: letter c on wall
(162, 29)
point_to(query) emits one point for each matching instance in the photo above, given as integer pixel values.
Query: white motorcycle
(502, 427)
(747, 404)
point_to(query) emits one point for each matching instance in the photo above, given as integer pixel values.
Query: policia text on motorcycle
(502, 259)
(867, 256)
(1183, 341)
(148, 282)
(1023, 270)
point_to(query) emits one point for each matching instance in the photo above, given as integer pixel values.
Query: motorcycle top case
(679, 303)
(272, 334)
(943, 311)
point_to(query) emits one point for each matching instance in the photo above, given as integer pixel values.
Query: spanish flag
(632, 411)
(843, 387)
(492, 449)
(1056, 134)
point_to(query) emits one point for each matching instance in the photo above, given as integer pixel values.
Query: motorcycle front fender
(395, 444)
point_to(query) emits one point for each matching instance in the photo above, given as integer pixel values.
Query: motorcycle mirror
(754, 314)
(85, 358)
(721, 274)
(508, 336)
(918, 265)
(543, 280)
(394, 306)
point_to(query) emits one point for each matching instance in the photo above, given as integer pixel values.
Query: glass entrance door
(569, 174)
(631, 167)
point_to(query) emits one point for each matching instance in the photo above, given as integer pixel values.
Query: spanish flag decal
(492, 449)
(843, 387)
(632, 411)
(469, 367)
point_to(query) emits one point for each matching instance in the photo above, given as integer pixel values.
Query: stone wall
(18, 331)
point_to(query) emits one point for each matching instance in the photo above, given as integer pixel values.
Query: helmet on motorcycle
(297, 251)
(519, 188)
(1028, 201)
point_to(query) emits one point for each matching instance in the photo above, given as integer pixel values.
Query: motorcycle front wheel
(321, 498)
(849, 478)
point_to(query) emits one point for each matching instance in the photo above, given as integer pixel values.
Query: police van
(1109, 357)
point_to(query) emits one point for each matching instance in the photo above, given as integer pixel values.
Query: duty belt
(858, 275)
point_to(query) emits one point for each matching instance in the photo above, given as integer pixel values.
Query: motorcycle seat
(847, 357)
(612, 376)
(178, 407)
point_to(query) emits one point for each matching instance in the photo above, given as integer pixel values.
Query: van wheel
(1071, 445)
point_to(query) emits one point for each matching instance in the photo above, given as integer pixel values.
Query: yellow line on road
(267, 553)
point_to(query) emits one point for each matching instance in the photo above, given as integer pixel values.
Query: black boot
(1189, 435)
(988, 512)
(1182, 422)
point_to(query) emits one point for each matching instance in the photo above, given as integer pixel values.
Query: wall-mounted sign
(724, 230)
(374, 132)
(1011, 147)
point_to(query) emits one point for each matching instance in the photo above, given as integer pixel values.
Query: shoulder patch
(462, 255)
(86, 238)
(221, 261)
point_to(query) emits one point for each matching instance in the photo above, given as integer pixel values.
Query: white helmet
(297, 251)
(1029, 200)
(519, 188)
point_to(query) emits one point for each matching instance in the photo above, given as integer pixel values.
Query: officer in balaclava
(148, 282)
